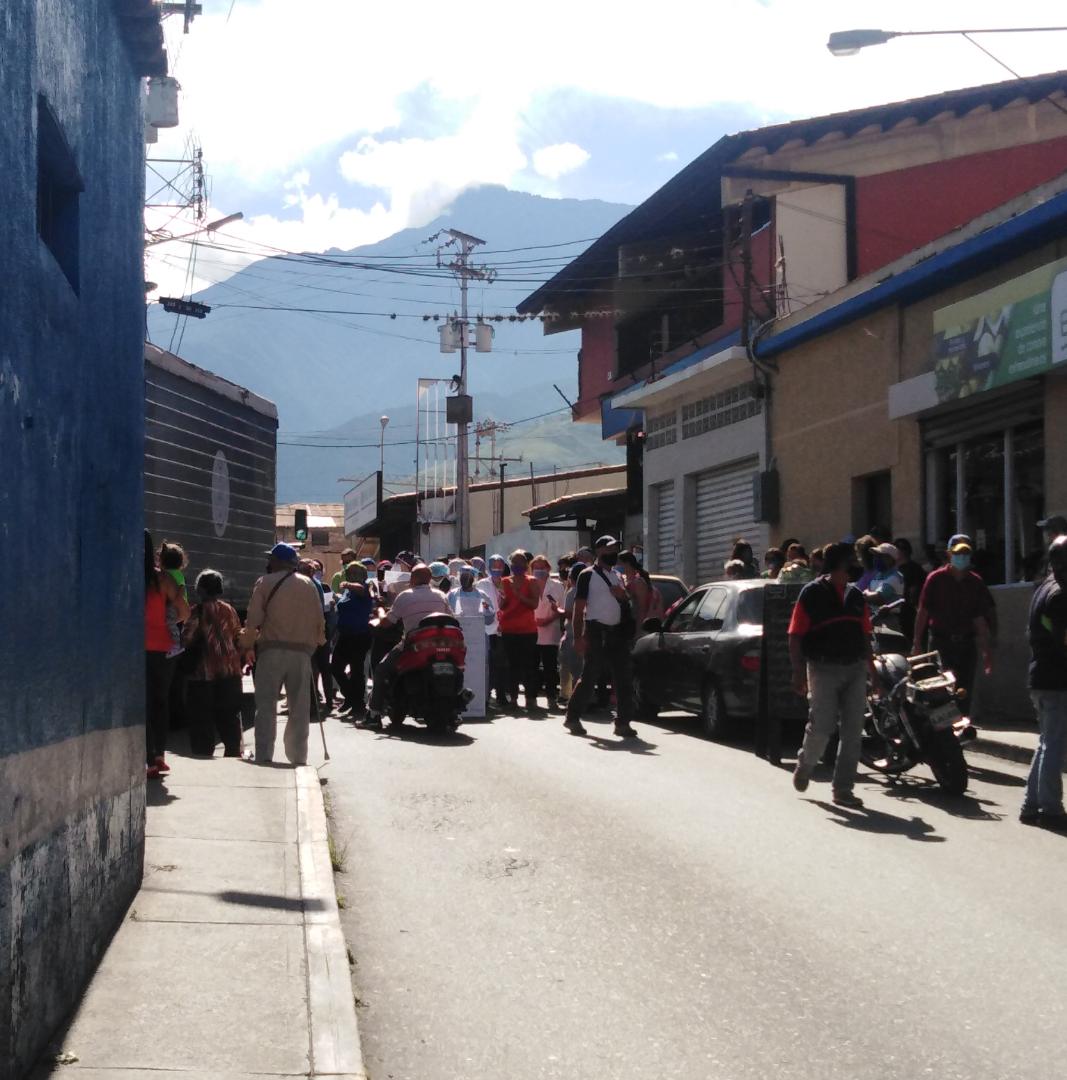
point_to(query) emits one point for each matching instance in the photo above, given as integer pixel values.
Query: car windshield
(750, 607)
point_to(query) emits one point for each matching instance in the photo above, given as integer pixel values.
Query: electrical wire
(410, 442)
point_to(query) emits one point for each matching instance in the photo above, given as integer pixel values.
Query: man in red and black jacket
(830, 649)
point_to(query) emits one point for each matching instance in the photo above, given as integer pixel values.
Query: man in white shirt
(547, 616)
(603, 635)
(409, 609)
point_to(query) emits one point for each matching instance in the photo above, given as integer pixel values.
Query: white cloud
(281, 82)
(554, 161)
(670, 155)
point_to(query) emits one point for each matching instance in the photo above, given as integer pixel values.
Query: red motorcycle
(429, 676)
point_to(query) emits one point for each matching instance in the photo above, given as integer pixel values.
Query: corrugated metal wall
(209, 478)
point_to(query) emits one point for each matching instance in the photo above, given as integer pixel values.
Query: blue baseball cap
(284, 553)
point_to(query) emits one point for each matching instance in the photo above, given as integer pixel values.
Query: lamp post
(383, 420)
(849, 42)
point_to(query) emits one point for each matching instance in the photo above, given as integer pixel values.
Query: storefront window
(970, 482)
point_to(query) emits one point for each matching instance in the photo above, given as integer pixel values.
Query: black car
(705, 657)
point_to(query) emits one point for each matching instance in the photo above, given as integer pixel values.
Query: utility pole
(462, 244)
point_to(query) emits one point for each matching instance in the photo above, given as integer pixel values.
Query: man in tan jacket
(286, 612)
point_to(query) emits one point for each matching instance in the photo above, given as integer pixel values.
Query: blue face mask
(962, 561)
(541, 575)
(495, 574)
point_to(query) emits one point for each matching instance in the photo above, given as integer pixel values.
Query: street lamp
(166, 238)
(849, 42)
(383, 420)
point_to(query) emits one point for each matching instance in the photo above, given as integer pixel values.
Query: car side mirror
(652, 626)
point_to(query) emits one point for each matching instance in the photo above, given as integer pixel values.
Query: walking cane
(322, 732)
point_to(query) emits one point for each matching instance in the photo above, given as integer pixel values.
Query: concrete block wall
(71, 513)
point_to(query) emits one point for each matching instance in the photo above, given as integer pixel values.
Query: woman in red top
(160, 591)
(213, 690)
(519, 596)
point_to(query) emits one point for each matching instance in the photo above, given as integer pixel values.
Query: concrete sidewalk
(230, 961)
(1012, 742)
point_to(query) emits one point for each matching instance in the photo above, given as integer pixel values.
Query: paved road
(528, 904)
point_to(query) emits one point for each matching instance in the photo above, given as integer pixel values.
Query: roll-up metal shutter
(665, 532)
(981, 414)
(724, 511)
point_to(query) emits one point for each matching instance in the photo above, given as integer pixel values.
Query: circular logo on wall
(220, 493)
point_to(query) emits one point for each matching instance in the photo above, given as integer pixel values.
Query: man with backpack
(603, 625)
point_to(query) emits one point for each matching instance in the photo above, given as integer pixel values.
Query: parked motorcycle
(429, 676)
(913, 716)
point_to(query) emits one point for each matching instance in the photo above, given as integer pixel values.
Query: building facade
(72, 783)
(931, 398)
(209, 470)
(674, 298)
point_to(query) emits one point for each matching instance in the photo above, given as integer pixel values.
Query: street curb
(1006, 751)
(336, 1050)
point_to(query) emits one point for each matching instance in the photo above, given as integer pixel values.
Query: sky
(335, 123)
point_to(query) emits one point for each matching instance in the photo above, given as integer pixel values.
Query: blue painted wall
(71, 450)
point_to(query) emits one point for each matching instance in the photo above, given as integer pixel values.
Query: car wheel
(647, 709)
(714, 723)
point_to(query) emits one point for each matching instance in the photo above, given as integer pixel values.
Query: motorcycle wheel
(877, 751)
(945, 757)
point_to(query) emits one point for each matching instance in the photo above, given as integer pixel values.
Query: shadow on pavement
(877, 821)
(412, 734)
(156, 794)
(630, 746)
(914, 788)
(995, 776)
(268, 900)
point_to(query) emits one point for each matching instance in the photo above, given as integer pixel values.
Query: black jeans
(159, 671)
(961, 658)
(349, 655)
(521, 651)
(320, 669)
(607, 650)
(548, 671)
(214, 710)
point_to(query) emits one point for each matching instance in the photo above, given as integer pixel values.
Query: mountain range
(316, 336)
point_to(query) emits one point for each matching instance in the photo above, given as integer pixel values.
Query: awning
(579, 511)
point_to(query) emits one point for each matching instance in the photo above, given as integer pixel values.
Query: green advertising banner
(1011, 332)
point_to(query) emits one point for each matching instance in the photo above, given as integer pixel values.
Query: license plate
(443, 669)
(944, 716)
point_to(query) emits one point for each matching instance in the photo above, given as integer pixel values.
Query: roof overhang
(713, 370)
(696, 189)
(578, 510)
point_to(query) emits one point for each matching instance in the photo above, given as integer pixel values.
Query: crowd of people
(562, 635)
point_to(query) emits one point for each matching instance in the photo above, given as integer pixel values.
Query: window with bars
(661, 430)
(720, 410)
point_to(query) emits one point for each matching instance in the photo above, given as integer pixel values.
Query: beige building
(326, 534)
(496, 507)
(931, 398)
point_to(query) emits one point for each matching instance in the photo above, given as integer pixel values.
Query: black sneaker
(1053, 822)
(575, 727)
(1029, 817)
(847, 799)
(625, 731)
(801, 779)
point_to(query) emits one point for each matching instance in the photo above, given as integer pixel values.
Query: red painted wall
(597, 363)
(897, 212)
